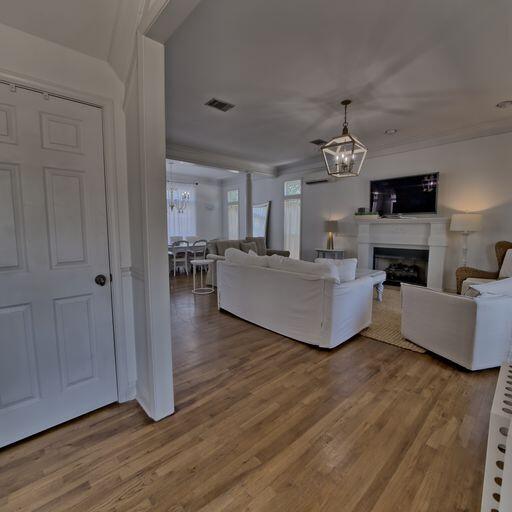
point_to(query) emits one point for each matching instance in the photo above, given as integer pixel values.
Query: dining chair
(198, 249)
(180, 251)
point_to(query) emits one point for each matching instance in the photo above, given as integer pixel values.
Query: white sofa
(474, 332)
(315, 309)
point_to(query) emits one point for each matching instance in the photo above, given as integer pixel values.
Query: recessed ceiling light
(391, 131)
(504, 104)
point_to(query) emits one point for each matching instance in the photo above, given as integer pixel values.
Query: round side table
(202, 289)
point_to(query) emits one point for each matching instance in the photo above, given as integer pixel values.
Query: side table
(202, 289)
(334, 254)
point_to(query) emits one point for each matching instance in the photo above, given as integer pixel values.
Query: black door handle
(100, 280)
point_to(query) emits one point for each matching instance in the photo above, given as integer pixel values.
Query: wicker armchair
(463, 273)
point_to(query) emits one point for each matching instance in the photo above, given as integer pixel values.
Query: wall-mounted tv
(405, 195)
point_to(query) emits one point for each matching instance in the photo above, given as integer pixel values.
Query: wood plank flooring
(268, 424)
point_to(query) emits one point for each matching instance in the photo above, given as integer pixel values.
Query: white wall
(475, 175)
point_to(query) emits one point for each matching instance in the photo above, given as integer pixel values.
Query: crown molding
(487, 129)
(211, 159)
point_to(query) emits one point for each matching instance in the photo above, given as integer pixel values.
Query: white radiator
(497, 491)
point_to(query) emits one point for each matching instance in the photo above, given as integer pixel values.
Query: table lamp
(330, 227)
(465, 223)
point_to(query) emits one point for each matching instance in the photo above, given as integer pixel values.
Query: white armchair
(475, 333)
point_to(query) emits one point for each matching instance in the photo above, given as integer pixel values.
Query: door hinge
(110, 277)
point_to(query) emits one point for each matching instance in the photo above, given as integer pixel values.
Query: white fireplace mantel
(411, 233)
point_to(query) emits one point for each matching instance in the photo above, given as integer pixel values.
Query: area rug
(386, 320)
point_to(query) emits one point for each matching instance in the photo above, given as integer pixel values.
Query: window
(292, 188)
(292, 213)
(181, 222)
(233, 215)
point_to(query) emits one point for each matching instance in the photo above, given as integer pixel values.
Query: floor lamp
(465, 223)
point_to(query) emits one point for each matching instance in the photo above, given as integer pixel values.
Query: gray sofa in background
(217, 248)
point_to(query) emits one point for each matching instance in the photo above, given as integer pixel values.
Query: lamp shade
(331, 226)
(466, 222)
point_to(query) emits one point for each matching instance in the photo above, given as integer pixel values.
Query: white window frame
(288, 197)
(237, 204)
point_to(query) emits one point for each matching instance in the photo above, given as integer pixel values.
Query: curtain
(181, 224)
(292, 227)
(233, 231)
(259, 219)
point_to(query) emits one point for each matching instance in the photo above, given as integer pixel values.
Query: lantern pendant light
(344, 155)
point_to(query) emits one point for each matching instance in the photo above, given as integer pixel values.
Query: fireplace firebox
(402, 265)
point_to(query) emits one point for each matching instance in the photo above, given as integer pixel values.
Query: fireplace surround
(416, 233)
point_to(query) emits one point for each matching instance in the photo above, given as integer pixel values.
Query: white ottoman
(378, 278)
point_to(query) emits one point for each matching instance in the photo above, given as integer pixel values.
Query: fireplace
(402, 265)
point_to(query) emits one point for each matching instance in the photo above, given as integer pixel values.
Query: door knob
(100, 280)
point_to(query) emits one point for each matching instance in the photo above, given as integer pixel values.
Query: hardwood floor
(268, 424)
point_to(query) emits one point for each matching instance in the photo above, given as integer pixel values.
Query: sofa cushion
(260, 242)
(239, 257)
(211, 246)
(500, 287)
(222, 245)
(323, 269)
(346, 268)
(249, 246)
(506, 267)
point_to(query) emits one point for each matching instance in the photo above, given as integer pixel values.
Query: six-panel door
(56, 335)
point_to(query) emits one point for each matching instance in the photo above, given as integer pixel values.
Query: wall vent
(224, 106)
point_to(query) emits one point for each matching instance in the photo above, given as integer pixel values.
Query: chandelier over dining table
(344, 155)
(177, 200)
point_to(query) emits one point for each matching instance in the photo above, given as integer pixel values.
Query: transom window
(292, 188)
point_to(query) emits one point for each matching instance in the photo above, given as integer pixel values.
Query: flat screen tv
(405, 195)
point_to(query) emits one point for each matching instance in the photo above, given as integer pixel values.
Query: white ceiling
(430, 69)
(176, 169)
(86, 26)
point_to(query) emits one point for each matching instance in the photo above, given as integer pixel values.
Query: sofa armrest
(463, 273)
(216, 257)
(271, 252)
(441, 322)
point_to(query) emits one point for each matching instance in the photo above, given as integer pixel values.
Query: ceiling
(430, 69)
(177, 169)
(86, 26)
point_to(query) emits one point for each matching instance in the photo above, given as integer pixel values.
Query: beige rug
(386, 321)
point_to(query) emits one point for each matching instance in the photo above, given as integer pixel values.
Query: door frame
(125, 391)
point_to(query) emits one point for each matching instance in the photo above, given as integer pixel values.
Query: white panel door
(56, 335)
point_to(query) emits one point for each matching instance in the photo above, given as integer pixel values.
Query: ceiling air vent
(318, 142)
(224, 106)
